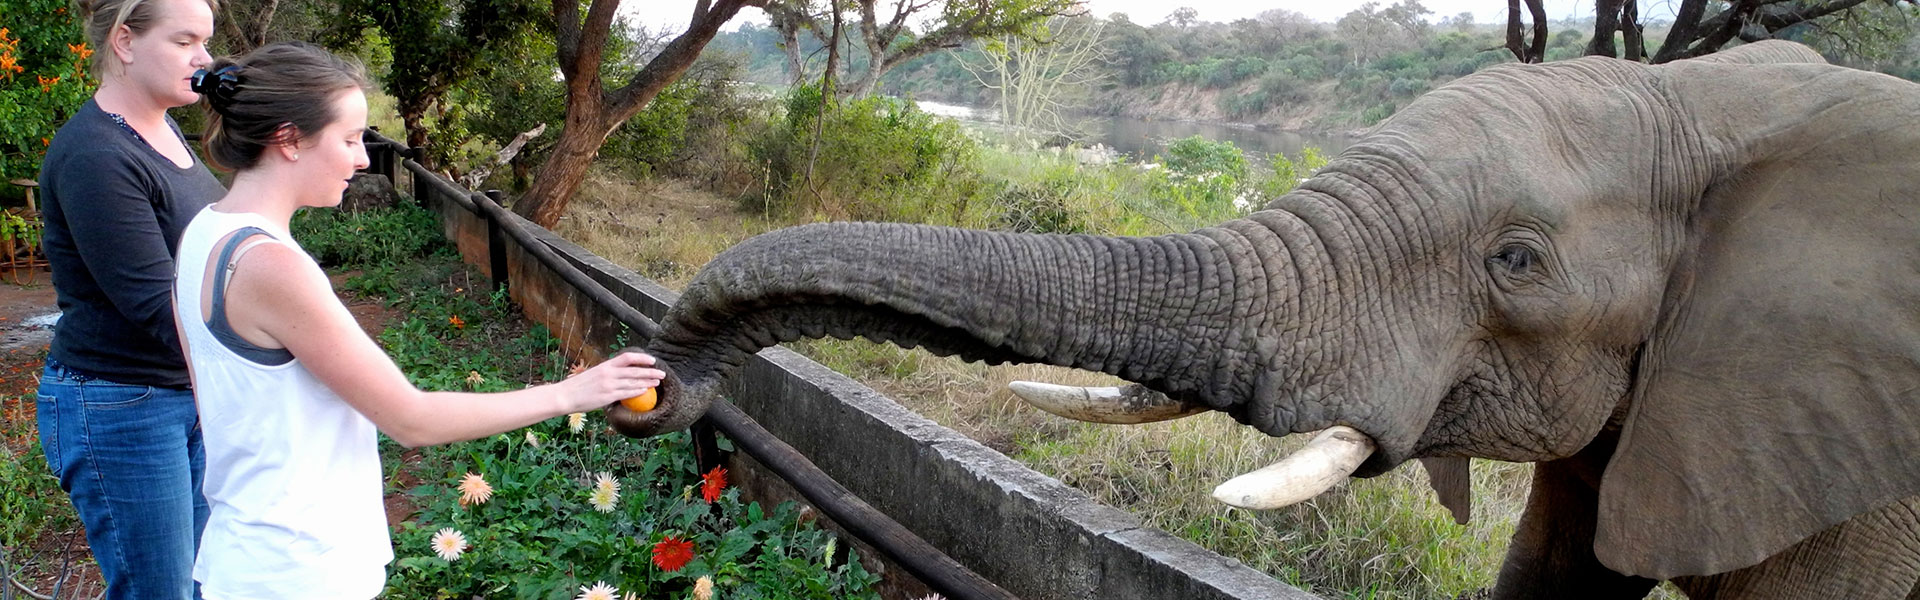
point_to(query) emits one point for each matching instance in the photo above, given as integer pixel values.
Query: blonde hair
(103, 17)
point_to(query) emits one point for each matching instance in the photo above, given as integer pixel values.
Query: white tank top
(293, 472)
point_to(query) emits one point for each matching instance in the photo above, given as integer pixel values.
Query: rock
(367, 191)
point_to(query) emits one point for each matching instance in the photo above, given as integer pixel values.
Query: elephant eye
(1517, 259)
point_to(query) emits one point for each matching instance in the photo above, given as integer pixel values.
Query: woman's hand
(624, 376)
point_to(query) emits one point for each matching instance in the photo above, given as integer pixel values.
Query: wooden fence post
(496, 244)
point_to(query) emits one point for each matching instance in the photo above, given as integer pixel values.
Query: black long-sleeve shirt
(114, 209)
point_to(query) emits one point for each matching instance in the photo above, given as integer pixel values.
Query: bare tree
(1037, 76)
(593, 112)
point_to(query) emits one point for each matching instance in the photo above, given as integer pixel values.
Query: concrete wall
(1027, 532)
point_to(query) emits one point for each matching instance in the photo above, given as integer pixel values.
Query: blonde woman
(116, 415)
(290, 389)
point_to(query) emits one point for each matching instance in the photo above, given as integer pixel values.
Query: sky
(673, 14)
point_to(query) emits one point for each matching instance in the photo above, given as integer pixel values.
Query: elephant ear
(1779, 393)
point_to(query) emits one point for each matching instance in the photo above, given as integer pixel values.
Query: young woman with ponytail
(291, 390)
(116, 414)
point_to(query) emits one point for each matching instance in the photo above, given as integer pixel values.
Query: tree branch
(672, 60)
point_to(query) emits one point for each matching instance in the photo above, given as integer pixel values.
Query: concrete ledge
(1027, 532)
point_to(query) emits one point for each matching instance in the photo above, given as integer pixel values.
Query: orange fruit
(643, 402)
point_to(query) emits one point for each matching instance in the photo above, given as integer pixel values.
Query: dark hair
(252, 99)
(104, 16)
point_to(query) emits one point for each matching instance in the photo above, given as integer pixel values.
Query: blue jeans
(129, 457)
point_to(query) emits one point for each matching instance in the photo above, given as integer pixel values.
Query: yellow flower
(599, 591)
(449, 544)
(474, 378)
(703, 588)
(533, 440)
(606, 493)
(577, 421)
(474, 490)
(8, 66)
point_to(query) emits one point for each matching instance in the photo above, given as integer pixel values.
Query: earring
(296, 157)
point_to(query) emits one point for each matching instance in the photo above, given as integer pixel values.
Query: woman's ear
(1780, 392)
(286, 141)
(121, 43)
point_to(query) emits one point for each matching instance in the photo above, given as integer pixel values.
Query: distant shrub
(877, 159)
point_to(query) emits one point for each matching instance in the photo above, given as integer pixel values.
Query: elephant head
(1715, 263)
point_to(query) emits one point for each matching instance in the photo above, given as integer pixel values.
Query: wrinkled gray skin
(1691, 291)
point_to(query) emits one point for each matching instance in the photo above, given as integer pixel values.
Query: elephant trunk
(1170, 312)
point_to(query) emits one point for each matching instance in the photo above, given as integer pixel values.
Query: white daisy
(599, 591)
(577, 421)
(449, 544)
(474, 490)
(606, 492)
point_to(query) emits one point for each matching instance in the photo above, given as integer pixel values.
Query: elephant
(1689, 292)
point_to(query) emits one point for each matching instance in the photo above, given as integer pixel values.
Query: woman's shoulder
(89, 141)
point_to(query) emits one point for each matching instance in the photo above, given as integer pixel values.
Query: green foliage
(30, 495)
(1204, 178)
(44, 78)
(876, 159)
(434, 45)
(1287, 172)
(18, 230)
(372, 239)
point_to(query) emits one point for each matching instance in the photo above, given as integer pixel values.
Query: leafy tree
(436, 44)
(886, 41)
(592, 112)
(1184, 17)
(1137, 51)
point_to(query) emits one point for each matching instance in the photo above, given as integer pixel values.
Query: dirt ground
(27, 314)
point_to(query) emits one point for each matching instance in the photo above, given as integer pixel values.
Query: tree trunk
(566, 167)
(415, 120)
(1630, 28)
(591, 114)
(1606, 20)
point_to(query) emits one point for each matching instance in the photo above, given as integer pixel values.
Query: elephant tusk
(1326, 460)
(1130, 405)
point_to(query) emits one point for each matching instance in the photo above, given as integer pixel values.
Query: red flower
(456, 322)
(671, 554)
(712, 483)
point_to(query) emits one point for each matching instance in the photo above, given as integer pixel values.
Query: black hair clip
(220, 84)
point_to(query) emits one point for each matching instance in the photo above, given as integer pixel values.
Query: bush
(43, 80)
(1206, 180)
(373, 239)
(1287, 172)
(877, 159)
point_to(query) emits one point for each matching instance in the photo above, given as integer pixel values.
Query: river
(1140, 139)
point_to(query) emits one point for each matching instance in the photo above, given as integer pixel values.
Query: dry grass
(1385, 537)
